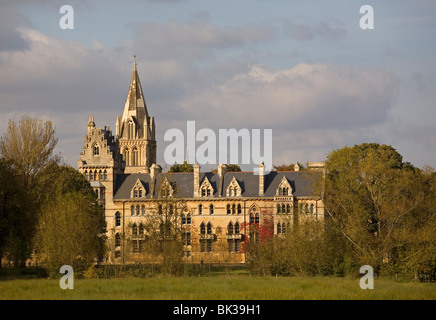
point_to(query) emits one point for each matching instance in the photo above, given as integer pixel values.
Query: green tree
(28, 148)
(10, 208)
(70, 231)
(370, 195)
(164, 234)
(185, 167)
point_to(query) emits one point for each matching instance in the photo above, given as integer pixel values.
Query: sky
(305, 69)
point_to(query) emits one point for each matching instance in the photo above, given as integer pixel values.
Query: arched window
(283, 227)
(211, 209)
(137, 210)
(279, 209)
(141, 229)
(239, 209)
(209, 228)
(140, 192)
(233, 209)
(188, 219)
(306, 208)
(311, 208)
(135, 160)
(100, 175)
(200, 209)
(135, 193)
(183, 218)
(256, 218)
(228, 209)
(288, 208)
(202, 228)
(86, 175)
(134, 229)
(279, 228)
(96, 150)
(117, 219)
(126, 157)
(236, 228)
(283, 208)
(104, 175)
(130, 130)
(132, 210)
(230, 228)
(143, 210)
(91, 175)
(117, 240)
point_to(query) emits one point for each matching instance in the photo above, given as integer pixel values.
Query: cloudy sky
(304, 69)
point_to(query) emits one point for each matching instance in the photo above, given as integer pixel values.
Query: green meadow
(241, 287)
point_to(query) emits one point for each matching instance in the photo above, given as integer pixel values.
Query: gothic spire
(135, 103)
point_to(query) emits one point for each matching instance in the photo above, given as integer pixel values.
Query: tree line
(379, 210)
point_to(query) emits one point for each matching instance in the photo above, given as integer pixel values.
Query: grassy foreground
(240, 287)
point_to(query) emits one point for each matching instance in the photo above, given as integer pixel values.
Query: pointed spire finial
(134, 58)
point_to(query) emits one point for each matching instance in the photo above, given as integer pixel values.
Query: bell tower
(135, 130)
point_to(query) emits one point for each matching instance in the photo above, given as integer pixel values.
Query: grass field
(241, 287)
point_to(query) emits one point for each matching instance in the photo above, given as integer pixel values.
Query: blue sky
(302, 68)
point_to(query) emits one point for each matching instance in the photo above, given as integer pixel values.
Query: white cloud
(305, 96)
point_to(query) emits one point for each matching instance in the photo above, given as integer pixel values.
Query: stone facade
(216, 212)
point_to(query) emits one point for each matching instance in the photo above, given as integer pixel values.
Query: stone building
(215, 213)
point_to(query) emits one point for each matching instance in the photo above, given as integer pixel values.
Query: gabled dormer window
(138, 190)
(206, 189)
(284, 188)
(166, 190)
(234, 189)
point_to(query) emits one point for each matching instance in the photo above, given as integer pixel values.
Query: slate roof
(300, 181)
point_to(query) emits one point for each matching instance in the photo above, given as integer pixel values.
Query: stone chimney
(155, 169)
(261, 179)
(196, 180)
(222, 170)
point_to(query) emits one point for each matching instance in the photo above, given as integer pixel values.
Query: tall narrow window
(126, 157)
(209, 228)
(135, 160)
(202, 228)
(134, 230)
(117, 219)
(211, 209)
(230, 228)
(188, 219)
(132, 210)
(239, 209)
(200, 209)
(131, 130)
(143, 210)
(236, 228)
(117, 240)
(104, 175)
(96, 150)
